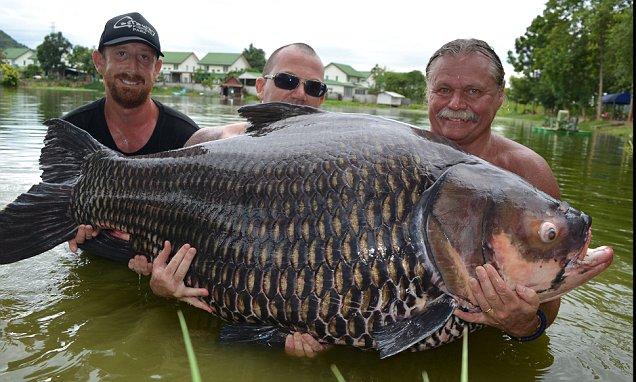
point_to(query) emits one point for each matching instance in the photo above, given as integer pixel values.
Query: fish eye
(548, 232)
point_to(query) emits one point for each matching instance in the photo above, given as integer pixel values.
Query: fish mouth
(588, 260)
(579, 257)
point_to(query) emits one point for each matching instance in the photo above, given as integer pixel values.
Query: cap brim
(122, 40)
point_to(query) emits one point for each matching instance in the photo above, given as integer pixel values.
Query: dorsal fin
(263, 114)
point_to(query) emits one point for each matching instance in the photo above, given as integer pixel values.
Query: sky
(397, 34)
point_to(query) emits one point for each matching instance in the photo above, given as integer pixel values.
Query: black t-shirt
(171, 132)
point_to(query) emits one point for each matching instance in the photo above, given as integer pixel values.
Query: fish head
(479, 214)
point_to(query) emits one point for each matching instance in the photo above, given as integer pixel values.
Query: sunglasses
(288, 81)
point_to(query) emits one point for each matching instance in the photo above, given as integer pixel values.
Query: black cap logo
(128, 22)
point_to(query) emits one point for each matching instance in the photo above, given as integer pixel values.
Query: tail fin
(40, 219)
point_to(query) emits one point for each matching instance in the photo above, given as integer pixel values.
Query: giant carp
(354, 228)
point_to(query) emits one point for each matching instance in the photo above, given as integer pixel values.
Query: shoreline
(622, 129)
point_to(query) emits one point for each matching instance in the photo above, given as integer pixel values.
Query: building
(223, 62)
(231, 89)
(390, 98)
(346, 82)
(179, 67)
(19, 57)
(248, 79)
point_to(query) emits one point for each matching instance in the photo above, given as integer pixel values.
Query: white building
(19, 57)
(223, 62)
(346, 82)
(248, 79)
(390, 98)
(179, 67)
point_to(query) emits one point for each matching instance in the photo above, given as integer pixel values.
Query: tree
(565, 50)
(411, 85)
(621, 54)
(81, 59)
(51, 52)
(377, 73)
(255, 57)
(522, 90)
(9, 76)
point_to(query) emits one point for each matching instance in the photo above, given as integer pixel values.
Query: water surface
(76, 317)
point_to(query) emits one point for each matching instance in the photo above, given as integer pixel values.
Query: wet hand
(167, 278)
(84, 232)
(303, 345)
(512, 311)
(141, 265)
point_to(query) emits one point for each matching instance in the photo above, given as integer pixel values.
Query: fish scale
(356, 229)
(323, 263)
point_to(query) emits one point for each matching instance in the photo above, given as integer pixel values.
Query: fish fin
(109, 247)
(35, 222)
(400, 335)
(263, 114)
(252, 334)
(65, 149)
(40, 219)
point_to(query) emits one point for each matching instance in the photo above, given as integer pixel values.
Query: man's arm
(217, 132)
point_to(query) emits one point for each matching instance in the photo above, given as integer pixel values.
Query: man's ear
(158, 66)
(99, 61)
(501, 98)
(260, 86)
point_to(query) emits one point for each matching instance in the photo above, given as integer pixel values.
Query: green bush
(9, 76)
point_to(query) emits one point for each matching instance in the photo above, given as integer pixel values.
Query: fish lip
(581, 255)
(587, 259)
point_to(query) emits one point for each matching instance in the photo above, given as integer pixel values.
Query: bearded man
(127, 119)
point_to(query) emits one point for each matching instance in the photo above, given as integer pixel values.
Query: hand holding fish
(512, 311)
(84, 232)
(140, 265)
(167, 278)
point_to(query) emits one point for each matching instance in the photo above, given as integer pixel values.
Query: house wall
(181, 73)
(189, 65)
(385, 99)
(22, 61)
(334, 74)
(239, 64)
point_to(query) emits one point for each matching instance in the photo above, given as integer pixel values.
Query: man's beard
(125, 96)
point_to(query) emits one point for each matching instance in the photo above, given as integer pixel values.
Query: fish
(356, 229)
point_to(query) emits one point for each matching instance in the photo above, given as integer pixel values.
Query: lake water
(67, 317)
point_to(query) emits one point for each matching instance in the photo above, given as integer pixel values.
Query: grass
(464, 374)
(192, 360)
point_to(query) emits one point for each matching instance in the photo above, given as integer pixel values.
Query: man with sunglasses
(292, 74)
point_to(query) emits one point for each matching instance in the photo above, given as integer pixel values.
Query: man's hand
(514, 312)
(141, 265)
(167, 278)
(303, 345)
(87, 232)
(84, 232)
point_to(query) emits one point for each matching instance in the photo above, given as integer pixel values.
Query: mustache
(130, 77)
(464, 115)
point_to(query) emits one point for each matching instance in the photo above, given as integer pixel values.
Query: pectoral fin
(252, 334)
(400, 335)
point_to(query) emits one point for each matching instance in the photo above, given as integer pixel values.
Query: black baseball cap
(129, 27)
